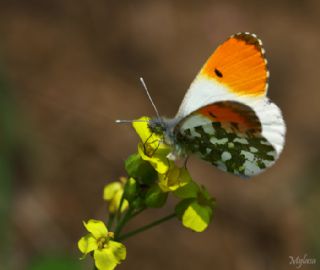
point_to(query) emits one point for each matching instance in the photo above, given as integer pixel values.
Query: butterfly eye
(218, 73)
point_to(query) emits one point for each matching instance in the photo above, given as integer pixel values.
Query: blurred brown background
(70, 68)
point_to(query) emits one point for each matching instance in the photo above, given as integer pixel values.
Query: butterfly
(225, 117)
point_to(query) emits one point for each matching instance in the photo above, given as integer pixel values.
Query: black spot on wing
(218, 73)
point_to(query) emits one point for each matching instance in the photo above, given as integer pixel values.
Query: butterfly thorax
(163, 127)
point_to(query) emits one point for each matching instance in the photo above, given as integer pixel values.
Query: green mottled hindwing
(241, 153)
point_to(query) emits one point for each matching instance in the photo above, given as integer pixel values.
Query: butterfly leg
(186, 161)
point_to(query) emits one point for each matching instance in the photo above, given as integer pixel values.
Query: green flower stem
(146, 227)
(138, 212)
(126, 217)
(110, 221)
(120, 206)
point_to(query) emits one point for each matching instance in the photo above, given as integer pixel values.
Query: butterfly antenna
(120, 121)
(148, 94)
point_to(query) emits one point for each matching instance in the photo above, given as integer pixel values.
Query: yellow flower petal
(110, 190)
(197, 217)
(118, 249)
(152, 148)
(87, 244)
(104, 259)
(97, 228)
(158, 158)
(143, 130)
(175, 178)
(114, 204)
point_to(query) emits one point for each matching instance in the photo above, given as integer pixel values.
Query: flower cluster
(151, 178)
(196, 206)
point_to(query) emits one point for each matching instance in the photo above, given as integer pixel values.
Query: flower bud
(155, 197)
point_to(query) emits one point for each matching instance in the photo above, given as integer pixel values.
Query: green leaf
(155, 197)
(182, 206)
(138, 203)
(132, 164)
(190, 190)
(204, 198)
(140, 169)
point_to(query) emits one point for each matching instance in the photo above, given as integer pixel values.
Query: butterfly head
(157, 126)
(164, 127)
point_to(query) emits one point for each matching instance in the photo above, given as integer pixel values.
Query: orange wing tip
(250, 38)
(240, 65)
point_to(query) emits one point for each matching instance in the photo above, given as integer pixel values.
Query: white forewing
(202, 92)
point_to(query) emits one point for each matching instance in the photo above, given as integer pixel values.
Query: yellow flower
(107, 253)
(175, 178)
(152, 148)
(112, 193)
(195, 210)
